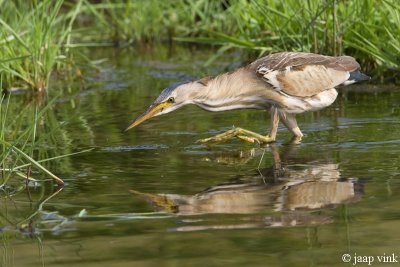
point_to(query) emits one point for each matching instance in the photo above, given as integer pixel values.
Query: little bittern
(285, 83)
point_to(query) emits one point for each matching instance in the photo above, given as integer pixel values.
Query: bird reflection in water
(289, 192)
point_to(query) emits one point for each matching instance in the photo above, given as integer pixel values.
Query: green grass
(32, 36)
(127, 22)
(367, 30)
(18, 141)
(32, 147)
(28, 144)
(36, 37)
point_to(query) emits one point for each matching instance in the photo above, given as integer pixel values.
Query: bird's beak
(151, 111)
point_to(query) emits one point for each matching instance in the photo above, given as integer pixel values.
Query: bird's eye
(171, 100)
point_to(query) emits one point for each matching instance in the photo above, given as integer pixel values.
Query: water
(152, 197)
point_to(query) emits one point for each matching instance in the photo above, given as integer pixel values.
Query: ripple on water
(131, 148)
(171, 75)
(178, 133)
(363, 121)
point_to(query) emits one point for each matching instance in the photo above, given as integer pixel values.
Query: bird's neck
(229, 91)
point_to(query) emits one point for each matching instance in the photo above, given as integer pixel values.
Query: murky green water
(152, 197)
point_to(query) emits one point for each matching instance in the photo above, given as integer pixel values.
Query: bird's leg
(274, 122)
(240, 133)
(247, 135)
(290, 122)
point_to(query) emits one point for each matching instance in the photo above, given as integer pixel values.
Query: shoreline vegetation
(31, 144)
(39, 38)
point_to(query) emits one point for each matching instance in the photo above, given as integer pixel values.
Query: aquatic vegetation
(28, 145)
(36, 38)
(126, 22)
(33, 36)
(378, 36)
(366, 30)
(17, 156)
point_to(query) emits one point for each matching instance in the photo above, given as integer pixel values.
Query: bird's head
(171, 98)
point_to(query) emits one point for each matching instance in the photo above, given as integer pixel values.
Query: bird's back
(305, 74)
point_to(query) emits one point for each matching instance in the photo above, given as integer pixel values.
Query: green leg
(240, 133)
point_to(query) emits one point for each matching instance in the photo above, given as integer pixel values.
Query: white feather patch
(270, 76)
(348, 82)
(299, 105)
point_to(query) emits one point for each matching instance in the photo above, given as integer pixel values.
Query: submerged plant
(18, 144)
(28, 144)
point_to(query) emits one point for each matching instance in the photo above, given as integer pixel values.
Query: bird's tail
(356, 76)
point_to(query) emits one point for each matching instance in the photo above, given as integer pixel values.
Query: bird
(285, 84)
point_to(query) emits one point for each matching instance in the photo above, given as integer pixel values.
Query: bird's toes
(202, 141)
(248, 139)
(209, 140)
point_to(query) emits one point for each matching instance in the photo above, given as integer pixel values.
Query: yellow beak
(153, 110)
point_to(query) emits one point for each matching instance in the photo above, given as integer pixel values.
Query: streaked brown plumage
(286, 83)
(304, 74)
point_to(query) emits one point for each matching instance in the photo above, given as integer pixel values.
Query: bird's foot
(240, 133)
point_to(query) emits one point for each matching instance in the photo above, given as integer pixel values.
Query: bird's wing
(304, 74)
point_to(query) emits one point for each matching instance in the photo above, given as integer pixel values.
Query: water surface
(152, 197)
